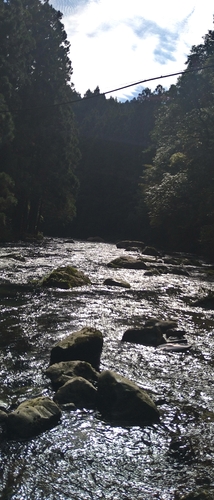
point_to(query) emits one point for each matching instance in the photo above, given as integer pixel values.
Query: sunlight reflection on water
(84, 456)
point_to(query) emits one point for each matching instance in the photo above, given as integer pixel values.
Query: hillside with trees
(85, 166)
(178, 187)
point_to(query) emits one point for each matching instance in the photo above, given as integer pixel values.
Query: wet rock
(180, 271)
(174, 347)
(127, 263)
(84, 345)
(65, 277)
(111, 282)
(173, 332)
(152, 272)
(121, 401)
(78, 391)
(62, 372)
(151, 251)
(33, 417)
(130, 243)
(148, 335)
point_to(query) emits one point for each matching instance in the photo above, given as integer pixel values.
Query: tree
(43, 153)
(178, 186)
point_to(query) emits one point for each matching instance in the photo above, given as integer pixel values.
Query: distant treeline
(140, 169)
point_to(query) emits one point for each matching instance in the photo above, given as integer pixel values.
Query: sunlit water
(85, 457)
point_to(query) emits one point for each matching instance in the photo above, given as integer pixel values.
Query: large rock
(127, 263)
(148, 335)
(121, 401)
(32, 417)
(151, 251)
(84, 345)
(65, 277)
(62, 372)
(78, 391)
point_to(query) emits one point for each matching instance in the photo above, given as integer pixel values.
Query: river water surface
(85, 457)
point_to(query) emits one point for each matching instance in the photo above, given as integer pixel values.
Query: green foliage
(178, 187)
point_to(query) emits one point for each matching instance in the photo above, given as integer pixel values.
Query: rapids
(85, 458)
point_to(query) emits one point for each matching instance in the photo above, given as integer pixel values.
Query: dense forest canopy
(38, 142)
(95, 166)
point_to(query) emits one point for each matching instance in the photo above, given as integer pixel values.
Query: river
(84, 457)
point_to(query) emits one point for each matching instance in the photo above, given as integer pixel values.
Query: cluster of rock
(75, 361)
(73, 371)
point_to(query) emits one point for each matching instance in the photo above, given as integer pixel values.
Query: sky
(119, 42)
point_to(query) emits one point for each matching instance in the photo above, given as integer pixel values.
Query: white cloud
(117, 42)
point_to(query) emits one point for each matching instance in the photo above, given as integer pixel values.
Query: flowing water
(85, 457)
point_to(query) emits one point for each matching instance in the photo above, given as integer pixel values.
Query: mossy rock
(83, 345)
(62, 372)
(78, 391)
(33, 417)
(65, 277)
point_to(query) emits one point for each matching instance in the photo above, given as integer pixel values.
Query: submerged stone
(33, 417)
(121, 401)
(84, 345)
(65, 277)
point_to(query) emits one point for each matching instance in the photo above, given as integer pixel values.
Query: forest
(93, 166)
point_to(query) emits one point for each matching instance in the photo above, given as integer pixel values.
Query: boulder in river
(151, 251)
(78, 391)
(127, 263)
(148, 335)
(84, 345)
(62, 372)
(65, 277)
(33, 417)
(121, 401)
(111, 282)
